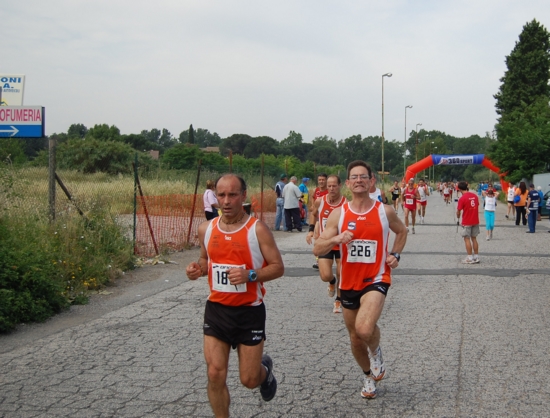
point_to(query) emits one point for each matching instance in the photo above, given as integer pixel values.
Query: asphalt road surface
(458, 340)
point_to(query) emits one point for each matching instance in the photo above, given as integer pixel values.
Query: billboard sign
(22, 121)
(13, 87)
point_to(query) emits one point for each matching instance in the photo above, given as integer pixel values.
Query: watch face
(252, 276)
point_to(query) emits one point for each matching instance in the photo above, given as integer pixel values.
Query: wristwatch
(396, 255)
(252, 276)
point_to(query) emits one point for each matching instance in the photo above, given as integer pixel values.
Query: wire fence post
(193, 206)
(51, 177)
(135, 199)
(262, 191)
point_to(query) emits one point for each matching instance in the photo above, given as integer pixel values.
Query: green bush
(27, 291)
(45, 267)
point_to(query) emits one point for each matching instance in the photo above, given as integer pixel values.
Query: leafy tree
(12, 150)
(292, 139)
(261, 145)
(528, 70)
(161, 140)
(182, 156)
(104, 132)
(202, 138)
(138, 142)
(523, 147)
(93, 155)
(235, 143)
(323, 154)
(77, 130)
(522, 103)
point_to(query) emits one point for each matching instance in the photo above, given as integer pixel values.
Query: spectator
(291, 194)
(490, 206)
(210, 202)
(279, 214)
(533, 203)
(520, 199)
(468, 204)
(541, 195)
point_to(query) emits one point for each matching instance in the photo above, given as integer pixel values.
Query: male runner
(361, 229)
(320, 191)
(239, 254)
(320, 212)
(423, 193)
(446, 191)
(410, 196)
(468, 204)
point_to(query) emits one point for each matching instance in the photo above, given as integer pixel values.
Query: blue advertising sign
(21, 121)
(457, 159)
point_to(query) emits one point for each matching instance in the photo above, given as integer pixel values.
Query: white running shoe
(369, 388)
(487, 238)
(476, 259)
(337, 307)
(468, 261)
(331, 290)
(377, 366)
(413, 229)
(422, 220)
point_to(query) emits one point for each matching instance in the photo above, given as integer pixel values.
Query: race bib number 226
(362, 251)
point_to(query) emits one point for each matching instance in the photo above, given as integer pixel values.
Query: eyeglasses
(357, 176)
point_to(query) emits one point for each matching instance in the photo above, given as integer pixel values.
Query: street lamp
(405, 137)
(417, 125)
(433, 167)
(383, 75)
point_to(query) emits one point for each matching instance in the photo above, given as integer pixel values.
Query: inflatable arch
(433, 159)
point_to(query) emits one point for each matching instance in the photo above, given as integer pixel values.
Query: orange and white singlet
(363, 259)
(236, 249)
(325, 209)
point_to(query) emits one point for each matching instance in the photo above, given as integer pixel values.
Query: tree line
(519, 145)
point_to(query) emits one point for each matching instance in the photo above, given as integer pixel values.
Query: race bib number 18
(362, 251)
(220, 282)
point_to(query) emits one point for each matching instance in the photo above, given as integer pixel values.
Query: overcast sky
(265, 68)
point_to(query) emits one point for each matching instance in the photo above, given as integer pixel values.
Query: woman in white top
(490, 207)
(510, 199)
(210, 202)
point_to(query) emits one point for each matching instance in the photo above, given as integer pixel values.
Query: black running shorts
(351, 299)
(332, 255)
(235, 324)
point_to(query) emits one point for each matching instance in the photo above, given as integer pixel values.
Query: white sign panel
(13, 87)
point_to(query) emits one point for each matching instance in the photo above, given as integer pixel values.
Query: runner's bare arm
(397, 226)
(330, 237)
(199, 268)
(313, 218)
(274, 268)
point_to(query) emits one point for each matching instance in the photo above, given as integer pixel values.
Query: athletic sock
(333, 281)
(367, 373)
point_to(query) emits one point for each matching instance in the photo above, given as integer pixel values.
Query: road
(459, 340)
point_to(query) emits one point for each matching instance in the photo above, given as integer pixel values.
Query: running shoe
(369, 388)
(476, 260)
(316, 266)
(377, 366)
(468, 261)
(413, 229)
(408, 230)
(491, 234)
(331, 290)
(337, 307)
(422, 220)
(487, 238)
(269, 387)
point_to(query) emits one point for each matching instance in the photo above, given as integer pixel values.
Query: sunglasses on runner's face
(357, 176)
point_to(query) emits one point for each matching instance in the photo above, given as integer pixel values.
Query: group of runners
(238, 254)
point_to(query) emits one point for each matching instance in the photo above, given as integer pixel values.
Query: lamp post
(383, 75)
(417, 125)
(433, 167)
(405, 138)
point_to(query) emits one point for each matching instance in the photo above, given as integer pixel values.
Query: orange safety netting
(169, 223)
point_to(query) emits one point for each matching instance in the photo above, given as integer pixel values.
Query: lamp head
(387, 75)
(410, 107)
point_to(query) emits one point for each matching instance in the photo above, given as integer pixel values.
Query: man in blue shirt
(533, 202)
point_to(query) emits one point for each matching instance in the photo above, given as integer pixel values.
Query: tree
(235, 143)
(104, 132)
(523, 134)
(77, 130)
(191, 138)
(182, 156)
(528, 70)
(260, 145)
(293, 138)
